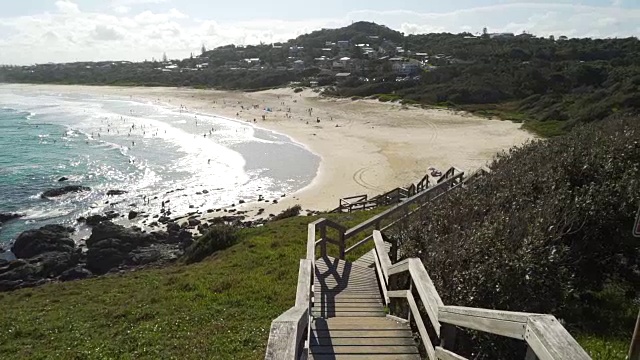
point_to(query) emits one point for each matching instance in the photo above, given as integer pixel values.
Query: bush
(219, 237)
(290, 212)
(548, 231)
(297, 90)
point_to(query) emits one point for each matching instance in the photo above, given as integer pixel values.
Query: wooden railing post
(323, 236)
(343, 245)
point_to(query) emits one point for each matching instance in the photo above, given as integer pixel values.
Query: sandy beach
(366, 146)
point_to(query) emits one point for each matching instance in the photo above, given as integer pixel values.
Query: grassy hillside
(219, 308)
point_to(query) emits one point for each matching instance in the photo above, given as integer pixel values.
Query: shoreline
(365, 146)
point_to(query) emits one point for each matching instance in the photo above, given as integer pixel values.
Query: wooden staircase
(349, 318)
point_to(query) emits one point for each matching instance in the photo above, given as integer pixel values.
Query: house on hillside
(406, 67)
(298, 65)
(343, 44)
(501, 35)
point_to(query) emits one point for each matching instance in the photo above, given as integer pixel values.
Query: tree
(164, 57)
(203, 50)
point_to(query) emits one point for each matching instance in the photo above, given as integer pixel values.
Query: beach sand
(366, 146)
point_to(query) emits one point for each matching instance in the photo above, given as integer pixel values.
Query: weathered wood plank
(370, 323)
(303, 292)
(356, 341)
(399, 267)
(383, 256)
(505, 323)
(551, 341)
(442, 354)
(382, 281)
(397, 293)
(372, 350)
(427, 291)
(366, 333)
(365, 357)
(424, 335)
(286, 334)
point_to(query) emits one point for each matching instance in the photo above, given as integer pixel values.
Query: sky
(40, 31)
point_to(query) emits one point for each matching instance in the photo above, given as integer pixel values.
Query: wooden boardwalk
(350, 321)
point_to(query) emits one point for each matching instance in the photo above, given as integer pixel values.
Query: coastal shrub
(548, 231)
(388, 97)
(297, 90)
(218, 237)
(289, 212)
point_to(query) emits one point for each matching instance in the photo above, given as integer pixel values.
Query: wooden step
(364, 357)
(334, 334)
(360, 341)
(365, 350)
(365, 324)
(333, 313)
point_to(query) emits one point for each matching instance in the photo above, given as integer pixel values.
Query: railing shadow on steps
(287, 338)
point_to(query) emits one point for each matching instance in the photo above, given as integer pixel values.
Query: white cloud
(121, 9)
(66, 6)
(72, 35)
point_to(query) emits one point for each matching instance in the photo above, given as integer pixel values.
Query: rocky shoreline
(50, 253)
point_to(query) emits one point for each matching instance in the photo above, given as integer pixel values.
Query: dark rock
(75, 273)
(116, 192)
(191, 206)
(133, 214)
(209, 211)
(48, 238)
(240, 201)
(95, 219)
(104, 258)
(173, 227)
(4, 217)
(64, 190)
(194, 222)
(154, 224)
(164, 219)
(81, 219)
(64, 178)
(275, 201)
(205, 191)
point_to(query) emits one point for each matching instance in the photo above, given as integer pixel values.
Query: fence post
(343, 246)
(323, 236)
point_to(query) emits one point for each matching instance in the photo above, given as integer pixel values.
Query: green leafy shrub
(218, 237)
(289, 212)
(548, 231)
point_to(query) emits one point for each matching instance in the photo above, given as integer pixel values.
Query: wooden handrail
(287, 331)
(402, 206)
(546, 338)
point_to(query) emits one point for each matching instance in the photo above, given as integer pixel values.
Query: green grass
(219, 308)
(549, 128)
(605, 349)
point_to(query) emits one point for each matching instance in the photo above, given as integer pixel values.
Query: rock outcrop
(64, 190)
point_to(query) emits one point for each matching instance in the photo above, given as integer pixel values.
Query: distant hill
(549, 84)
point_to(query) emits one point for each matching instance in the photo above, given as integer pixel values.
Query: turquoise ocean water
(148, 149)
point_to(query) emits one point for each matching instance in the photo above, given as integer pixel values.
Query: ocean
(153, 151)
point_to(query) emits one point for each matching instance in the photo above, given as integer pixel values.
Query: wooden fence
(363, 202)
(287, 335)
(546, 338)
